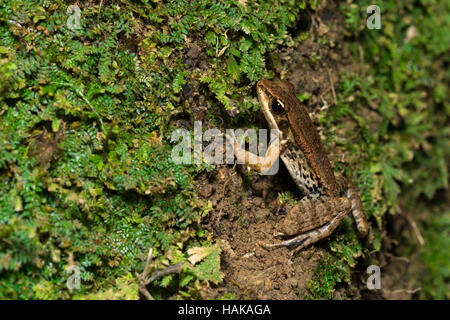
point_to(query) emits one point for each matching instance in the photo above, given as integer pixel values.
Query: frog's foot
(304, 239)
(298, 242)
(315, 235)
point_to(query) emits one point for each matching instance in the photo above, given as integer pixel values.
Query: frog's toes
(279, 235)
(298, 242)
(271, 245)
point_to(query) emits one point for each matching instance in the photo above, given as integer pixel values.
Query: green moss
(104, 191)
(436, 257)
(107, 191)
(330, 272)
(125, 288)
(398, 104)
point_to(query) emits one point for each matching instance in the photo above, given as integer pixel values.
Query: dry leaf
(198, 254)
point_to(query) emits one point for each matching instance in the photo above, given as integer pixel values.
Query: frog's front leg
(312, 220)
(262, 164)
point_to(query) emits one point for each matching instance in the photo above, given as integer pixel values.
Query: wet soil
(243, 220)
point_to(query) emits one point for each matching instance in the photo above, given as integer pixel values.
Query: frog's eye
(278, 106)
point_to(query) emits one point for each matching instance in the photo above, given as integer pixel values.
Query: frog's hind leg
(312, 220)
(303, 240)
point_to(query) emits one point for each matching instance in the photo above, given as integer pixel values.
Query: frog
(326, 200)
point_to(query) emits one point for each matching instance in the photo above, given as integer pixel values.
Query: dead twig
(361, 61)
(402, 259)
(172, 269)
(325, 104)
(333, 92)
(144, 280)
(406, 291)
(416, 230)
(147, 263)
(99, 10)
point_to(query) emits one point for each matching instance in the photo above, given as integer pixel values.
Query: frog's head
(276, 101)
